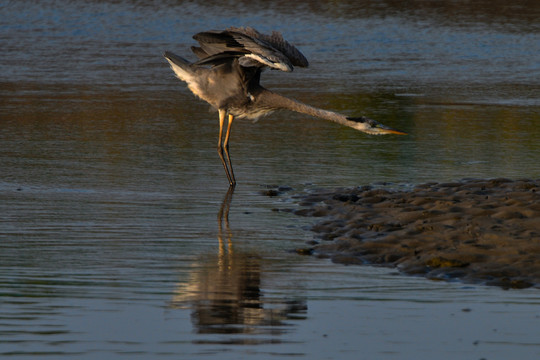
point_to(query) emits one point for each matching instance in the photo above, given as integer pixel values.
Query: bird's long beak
(383, 130)
(372, 127)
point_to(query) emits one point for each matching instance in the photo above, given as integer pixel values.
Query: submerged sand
(479, 231)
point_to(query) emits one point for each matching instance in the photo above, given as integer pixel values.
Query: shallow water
(111, 239)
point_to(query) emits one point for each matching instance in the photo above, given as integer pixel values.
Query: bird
(227, 76)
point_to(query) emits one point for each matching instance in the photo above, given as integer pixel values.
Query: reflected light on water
(224, 294)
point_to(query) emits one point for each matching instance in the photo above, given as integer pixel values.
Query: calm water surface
(118, 238)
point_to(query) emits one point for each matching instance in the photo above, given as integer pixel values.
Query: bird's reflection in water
(224, 291)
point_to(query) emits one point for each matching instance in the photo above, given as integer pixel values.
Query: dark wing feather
(215, 42)
(219, 58)
(201, 54)
(250, 47)
(277, 41)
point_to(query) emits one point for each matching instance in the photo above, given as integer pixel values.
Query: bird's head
(372, 127)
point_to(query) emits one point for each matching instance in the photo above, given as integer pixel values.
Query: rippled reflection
(225, 294)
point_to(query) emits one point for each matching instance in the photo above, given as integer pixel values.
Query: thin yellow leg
(224, 147)
(232, 179)
(222, 114)
(228, 133)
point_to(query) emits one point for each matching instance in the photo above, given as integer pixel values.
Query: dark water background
(111, 239)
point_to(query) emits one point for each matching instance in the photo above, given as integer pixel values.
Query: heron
(227, 76)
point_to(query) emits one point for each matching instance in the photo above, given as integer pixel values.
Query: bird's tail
(181, 67)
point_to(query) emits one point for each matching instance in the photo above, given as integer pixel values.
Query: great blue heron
(227, 76)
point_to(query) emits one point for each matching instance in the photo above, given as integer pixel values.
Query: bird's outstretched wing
(277, 41)
(252, 49)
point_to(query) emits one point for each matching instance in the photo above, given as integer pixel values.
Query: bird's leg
(228, 133)
(226, 147)
(222, 114)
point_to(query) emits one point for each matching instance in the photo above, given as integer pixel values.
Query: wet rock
(483, 231)
(346, 259)
(441, 262)
(304, 251)
(346, 197)
(271, 192)
(274, 190)
(283, 188)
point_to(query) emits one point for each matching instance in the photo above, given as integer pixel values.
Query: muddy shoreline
(475, 231)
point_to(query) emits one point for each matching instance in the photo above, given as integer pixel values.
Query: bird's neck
(276, 101)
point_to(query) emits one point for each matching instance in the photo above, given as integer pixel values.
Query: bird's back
(229, 67)
(224, 85)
